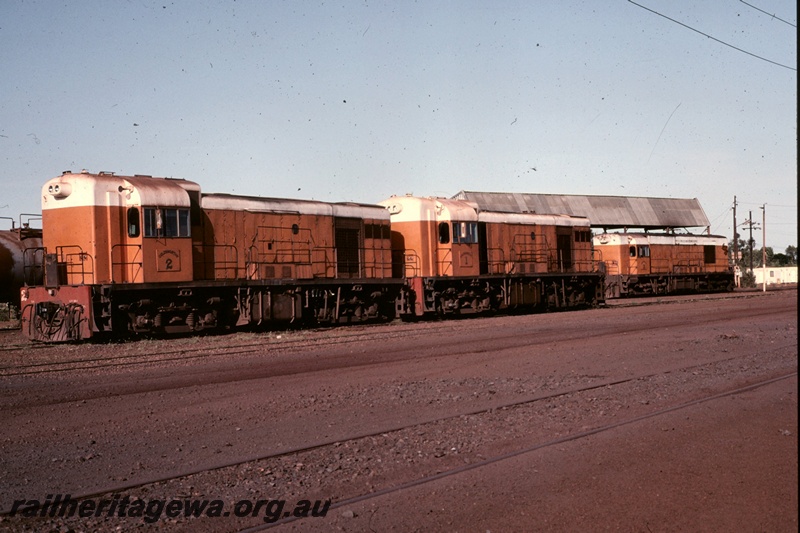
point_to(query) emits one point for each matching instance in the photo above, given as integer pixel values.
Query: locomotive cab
(436, 237)
(460, 246)
(625, 254)
(156, 246)
(108, 229)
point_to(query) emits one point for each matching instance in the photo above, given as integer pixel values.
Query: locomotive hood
(106, 189)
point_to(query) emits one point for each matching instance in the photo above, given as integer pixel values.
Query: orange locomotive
(137, 254)
(653, 263)
(458, 259)
(140, 254)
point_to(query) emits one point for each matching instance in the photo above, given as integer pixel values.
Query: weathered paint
(507, 242)
(86, 216)
(72, 321)
(668, 254)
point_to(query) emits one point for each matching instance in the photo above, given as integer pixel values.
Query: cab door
(564, 249)
(349, 243)
(639, 259)
(166, 251)
(465, 250)
(126, 250)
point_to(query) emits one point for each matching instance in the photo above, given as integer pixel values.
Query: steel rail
(498, 458)
(389, 429)
(196, 353)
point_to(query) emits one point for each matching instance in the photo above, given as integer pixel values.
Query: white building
(776, 275)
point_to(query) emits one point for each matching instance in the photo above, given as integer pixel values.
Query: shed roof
(602, 211)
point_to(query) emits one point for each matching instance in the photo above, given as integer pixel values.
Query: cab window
(444, 233)
(134, 225)
(166, 222)
(465, 232)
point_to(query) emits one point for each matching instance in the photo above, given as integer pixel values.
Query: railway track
(281, 342)
(315, 338)
(297, 366)
(355, 462)
(347, 502)
(530, 402)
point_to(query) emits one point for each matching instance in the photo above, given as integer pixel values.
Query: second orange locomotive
(457, 258)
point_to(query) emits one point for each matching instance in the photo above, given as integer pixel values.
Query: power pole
(750, 222)
(764, 243)
(750, 225)
(735, 236)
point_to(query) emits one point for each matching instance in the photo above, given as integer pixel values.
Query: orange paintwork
(663, 258)
(511, 249)
(498, 243)
(96, 224)
(94, 245)
(414, 240)
(247, 245)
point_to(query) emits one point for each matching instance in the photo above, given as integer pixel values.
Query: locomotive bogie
(317, 304)
(171, 310)
(443, 296)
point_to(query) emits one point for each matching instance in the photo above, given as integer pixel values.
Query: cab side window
(134, 225)
(444, 233)
(167, 222)
(465, 232)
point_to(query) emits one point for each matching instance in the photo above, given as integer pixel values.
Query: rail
(318, 262)
(70, 267)
(525, 250)
(496, 261)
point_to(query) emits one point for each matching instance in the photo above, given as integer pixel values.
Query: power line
(771, 205)
(770, 14)
(717, 218)
(713, 38)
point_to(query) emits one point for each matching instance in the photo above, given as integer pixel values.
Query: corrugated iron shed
(602, 211)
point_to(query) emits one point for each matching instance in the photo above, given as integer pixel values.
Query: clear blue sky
(359, 100)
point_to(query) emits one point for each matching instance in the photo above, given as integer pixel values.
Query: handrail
(134, 268)
(75, 269)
